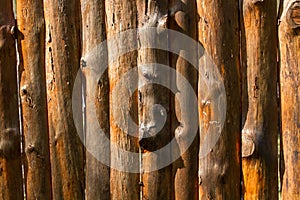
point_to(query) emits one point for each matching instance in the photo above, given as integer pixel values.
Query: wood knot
(30, 149)
(83, 63)
(141, 184)
(257, 1)
(248, 146)
(291, 14)
(295, 15)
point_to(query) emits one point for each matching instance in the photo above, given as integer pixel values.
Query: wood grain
(261, 126)
(185, 169)
(62, 65)
(10, 152)
(121, 15)
(289, 38)
(31, 24)
(218, 31)
(93, 34)
(157, 184)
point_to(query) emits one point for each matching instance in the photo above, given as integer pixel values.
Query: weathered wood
(33, 99)
(260, 131)
(10, 152)
(218, 30)
(93, 33)
(121, 15)
(289, 37)
(63, 54)
(156, 184)
(6, 13)
(186, 173)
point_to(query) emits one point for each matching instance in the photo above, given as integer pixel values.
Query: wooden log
(260, 132)
(157, 182)
(218, 30)
(93, 34)
(289, 37)
(33, 99)
(10, 147)
(63, 54)
(183, 19)
(121, 15)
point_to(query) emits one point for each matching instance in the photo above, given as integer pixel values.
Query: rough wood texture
(63, 54)
(156, 184)
(10, 152)
(93, 28)
(260, 132)
(289, 37)
(121, 15)
(186, 171)
(218, 29)
(6, 13)
(31, 24)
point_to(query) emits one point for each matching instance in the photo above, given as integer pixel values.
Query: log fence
(78, 74)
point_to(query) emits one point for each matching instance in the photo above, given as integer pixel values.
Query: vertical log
(218, 29)
(93, 28)
(260, 132)
(33, 99)
(63, 52)
(11, 187)
(289, 37)
(121, 15)
(186, 180)
(157, 184)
